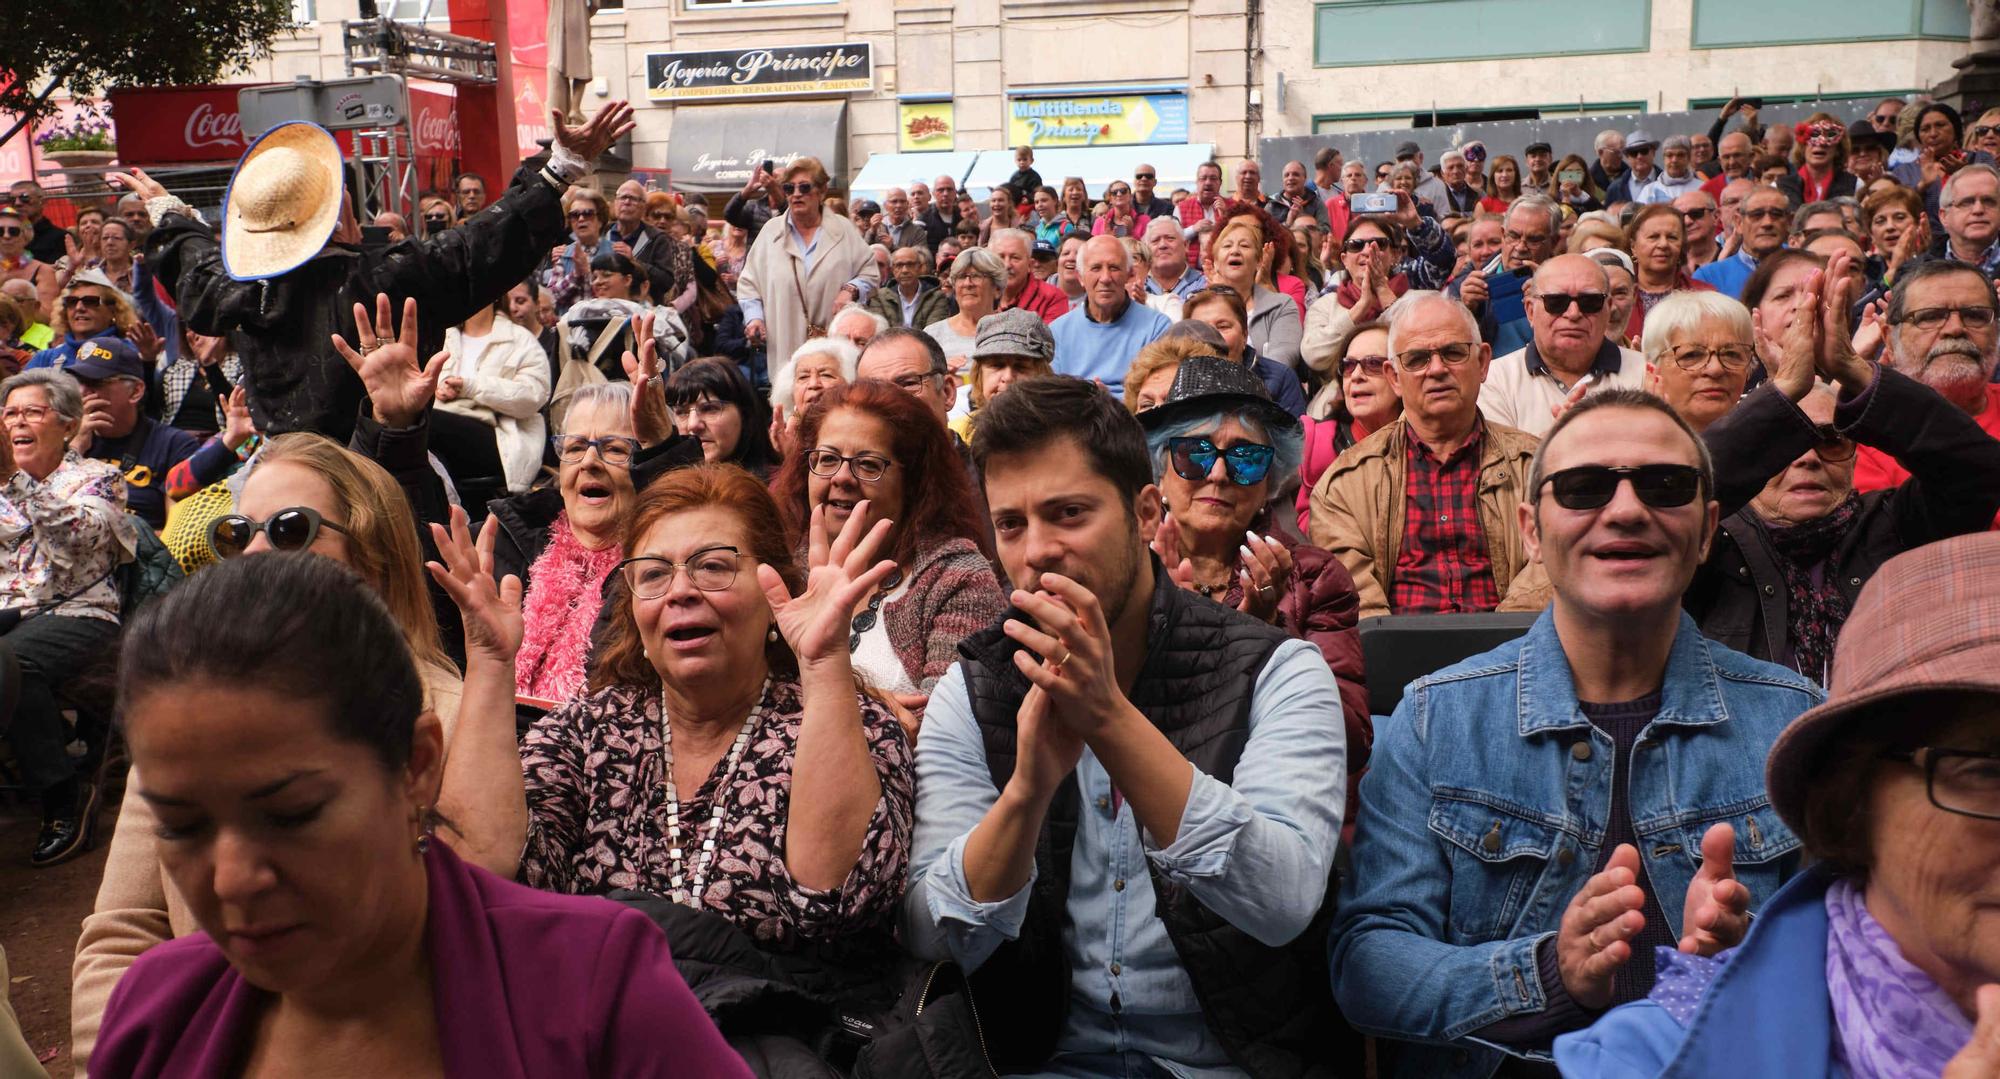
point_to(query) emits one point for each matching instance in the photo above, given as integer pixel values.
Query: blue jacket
(1766, 1013)
(1483, 814)
(1728, 275)
(63, 352)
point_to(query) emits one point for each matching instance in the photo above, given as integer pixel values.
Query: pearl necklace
(706, 861)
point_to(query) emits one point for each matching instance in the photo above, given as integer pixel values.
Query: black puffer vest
(1271, 1008)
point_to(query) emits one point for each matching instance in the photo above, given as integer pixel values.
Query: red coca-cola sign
(177, 124)
(434, 123)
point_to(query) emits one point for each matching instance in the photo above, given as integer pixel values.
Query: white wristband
(565, 164)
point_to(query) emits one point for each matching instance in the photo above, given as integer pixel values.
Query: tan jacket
(138, 907)
(1357, 514)
(795, 298)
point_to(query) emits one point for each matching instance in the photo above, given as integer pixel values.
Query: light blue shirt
(1729, 275)
(1256, 852)
(753, 308)
(1087, 348)
(1191, 282)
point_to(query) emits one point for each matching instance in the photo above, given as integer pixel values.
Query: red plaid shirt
(1443, 566)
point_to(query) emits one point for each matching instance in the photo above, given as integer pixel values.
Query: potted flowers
(80, 140)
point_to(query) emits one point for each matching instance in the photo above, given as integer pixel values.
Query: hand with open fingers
(650, 420)
(1077, 666)
(1872, 334)
(137, 182)
(1595, 938)
(1570, 399)
(781, 432)
(839, 575)
(597, 134)
(1406, 212)
(72, 251)
(147, 341)
(492, 611)
(237, 426)
(1980, 1059)
(399, 387)
(1266, 573)
(1838, 361)
(1717, 913)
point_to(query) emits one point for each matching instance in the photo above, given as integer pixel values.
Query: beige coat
(1357, 514)
(137, 906)
(774, 273)
(506, 391)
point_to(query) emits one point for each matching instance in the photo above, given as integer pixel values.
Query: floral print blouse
(62, 536)
(597, 817)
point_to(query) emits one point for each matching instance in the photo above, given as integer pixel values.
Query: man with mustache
(1943, 334)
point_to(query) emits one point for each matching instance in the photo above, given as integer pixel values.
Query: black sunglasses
(1590, 487)
(804, 187)
(1557, 303)
(1833, 446)
(292, 529)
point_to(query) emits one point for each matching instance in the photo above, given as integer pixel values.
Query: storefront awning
(713, 149)
(884, 171)
(1097, 165)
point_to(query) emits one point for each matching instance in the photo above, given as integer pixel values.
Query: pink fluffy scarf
(565, 590)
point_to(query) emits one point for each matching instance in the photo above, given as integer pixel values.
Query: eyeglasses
(803, 187)
(710, 569)
(1144, 176)
(614, 450)
(1961, 781)
(1532, 239)
(914, 384)
(1930, 318)
(1696, 214)
(293, 529)
(1355, 247)
(1557, 303)
(1590, 487)
(1735, 357)
(1372, 366)
(1194, 457)
(83, 300)
(436, 219)
(1983, 202)
(12, 230)
(1983, 130)
(30, 413)
(1116, 193)
(867, 467)
(582, 215)
(1765, 212)
(1833, 447)
(1419, 359)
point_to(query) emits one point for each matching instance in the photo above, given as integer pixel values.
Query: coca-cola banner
(434, 123)
(177, 124)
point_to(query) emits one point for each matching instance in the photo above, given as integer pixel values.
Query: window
(703, 5)
(1723, 24)
(302, 11)
(1368, 33)
(426, 11)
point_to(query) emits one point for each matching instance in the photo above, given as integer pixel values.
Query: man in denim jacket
(1538, 818)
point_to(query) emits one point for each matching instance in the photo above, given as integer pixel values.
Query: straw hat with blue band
(283, 201)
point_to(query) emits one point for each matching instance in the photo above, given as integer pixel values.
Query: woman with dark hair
(296, 817)
(872, 452)
(1221, 307)
(616, 277)
(713, 403)
(1941, 151)
(1374, 272)
(722, 758)
(1820, 156)
(1504, 187)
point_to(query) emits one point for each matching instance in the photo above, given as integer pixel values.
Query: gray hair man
(1099, 339)
(1570, 353)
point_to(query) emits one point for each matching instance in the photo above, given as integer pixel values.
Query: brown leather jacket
(1357, 514)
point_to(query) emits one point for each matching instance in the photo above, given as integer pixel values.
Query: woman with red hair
(869, 449)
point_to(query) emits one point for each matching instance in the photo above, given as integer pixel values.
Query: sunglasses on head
(292, 529)
(1589, 487)
(1557, 303)
(1194, 457)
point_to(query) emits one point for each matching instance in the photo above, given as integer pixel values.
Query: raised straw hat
(283, 201)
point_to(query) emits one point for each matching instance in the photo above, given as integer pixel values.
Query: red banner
(175, 125)
(528, 57)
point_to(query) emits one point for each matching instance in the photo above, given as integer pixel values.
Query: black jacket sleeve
(1954, 465)
(455, 272)
(1753, 442)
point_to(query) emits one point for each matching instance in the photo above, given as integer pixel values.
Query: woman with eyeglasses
(567, 273)
(339, 933)
(1221, 449)
(871, 452)
(1120, 217)
(1882, 958)
(1364, 402)
(1796, 541)
(562, 541)
(1373, 273)
(712, 403)
(1656, 238)
(796, 276)
(304, 493)
(722, 758)
(63, 533)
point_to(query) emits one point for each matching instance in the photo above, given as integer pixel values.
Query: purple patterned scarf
(1892, 1019)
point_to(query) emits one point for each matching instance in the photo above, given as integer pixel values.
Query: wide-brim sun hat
(283, 201)
(1928, 621)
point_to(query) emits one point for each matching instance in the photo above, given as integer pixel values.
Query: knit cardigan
(952, 594)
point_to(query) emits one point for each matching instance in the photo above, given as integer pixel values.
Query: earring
(771, 635)
(425, 826)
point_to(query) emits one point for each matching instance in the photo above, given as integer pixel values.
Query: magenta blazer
(527, 984)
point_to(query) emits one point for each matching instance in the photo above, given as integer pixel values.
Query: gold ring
(1057, 666)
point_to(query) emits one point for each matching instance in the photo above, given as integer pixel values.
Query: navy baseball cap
(106, 357)
(1045, 250)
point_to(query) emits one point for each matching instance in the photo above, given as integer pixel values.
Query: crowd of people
(575, 636)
